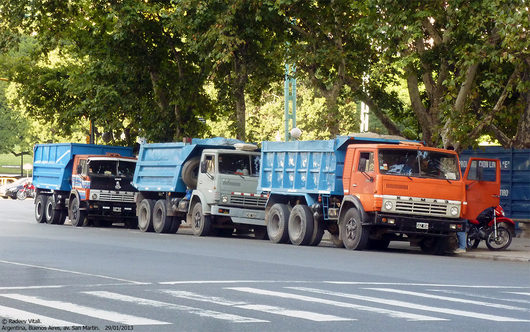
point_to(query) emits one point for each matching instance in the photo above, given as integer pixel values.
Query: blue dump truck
(365, 191)
(87, 183)
(210, 183)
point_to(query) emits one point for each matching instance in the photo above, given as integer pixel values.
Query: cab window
(366, 162)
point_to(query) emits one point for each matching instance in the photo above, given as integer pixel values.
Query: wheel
(21, 195)
(260, 233)
(353, 234)
(40, 201)
(335, 238)
(277, 220)
(77, 216)
(502, 241)
(301, 225)
(161, 221)
(377, 244)
(190, 172)
(200, 224)
(318, 233)
(175, 225)
(51, 215)
(145, 215)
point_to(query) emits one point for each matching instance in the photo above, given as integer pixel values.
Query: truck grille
(421, 208)
(248, 201)
(109, 196)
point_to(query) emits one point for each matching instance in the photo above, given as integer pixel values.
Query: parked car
(6, 180)
(11, 190)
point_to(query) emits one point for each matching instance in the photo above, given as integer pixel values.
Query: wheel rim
(296, 226)
(48, 211)
(38, 209)
(143, 216)
(197, 220)
(501, 240)
(351, 229)
(75, 210)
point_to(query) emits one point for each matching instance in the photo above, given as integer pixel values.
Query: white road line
(313, 316)
(420, 284)
(31, 318)
(74, 272)
(86, 311)
(519, 293)
(450, 299)
(390, 313)
(187, 282)
(411, 305)
(447, 291)
(167, 305)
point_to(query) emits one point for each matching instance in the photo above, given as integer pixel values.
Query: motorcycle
(493, 227)
(27, 191)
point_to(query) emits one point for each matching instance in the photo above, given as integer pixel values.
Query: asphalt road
(66, 278)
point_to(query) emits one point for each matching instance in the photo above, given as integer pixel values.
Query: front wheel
(353, 234)
(21, 195)
(502, 241)
(77, 216)
(200, 224)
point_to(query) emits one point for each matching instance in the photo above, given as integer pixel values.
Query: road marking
(390, 313)
(451, 299)
(313, 316)
(186, 282)
(160, 304)
(419, 284)
(519, 293)
(86, 311)
(75, 272)
(11, 313)
(411, 305)
(446, 291)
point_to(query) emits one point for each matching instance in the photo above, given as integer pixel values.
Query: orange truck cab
(415, 193)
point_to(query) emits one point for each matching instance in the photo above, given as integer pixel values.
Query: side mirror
(203, 167)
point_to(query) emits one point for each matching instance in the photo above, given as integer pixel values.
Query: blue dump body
(52, 163)
(307, 167)
(515, 177)
(159, 166)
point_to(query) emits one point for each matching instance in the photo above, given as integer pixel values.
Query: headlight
(453, 210)
(389, 205)
(224, 199)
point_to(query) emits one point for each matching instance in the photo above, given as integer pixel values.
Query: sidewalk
(518, 251)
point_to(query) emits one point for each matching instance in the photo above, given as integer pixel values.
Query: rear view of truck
(87, 183)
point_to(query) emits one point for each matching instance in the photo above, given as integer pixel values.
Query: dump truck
(369, 191)
(208, 183)
(86, 182)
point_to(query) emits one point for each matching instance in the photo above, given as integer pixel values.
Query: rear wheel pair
(297, 226)
(152, 216)
(45, 210)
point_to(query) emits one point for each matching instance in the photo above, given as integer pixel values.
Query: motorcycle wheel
(502, 241)
(21, 195)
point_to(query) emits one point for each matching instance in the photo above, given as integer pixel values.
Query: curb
(495, 257)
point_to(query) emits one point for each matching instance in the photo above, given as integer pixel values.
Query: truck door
(206, 178)
(363, 176)
(483, 185)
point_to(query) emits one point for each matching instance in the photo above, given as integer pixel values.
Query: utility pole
(290, 100)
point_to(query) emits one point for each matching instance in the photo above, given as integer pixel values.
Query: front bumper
(407, 224)
(111, 209)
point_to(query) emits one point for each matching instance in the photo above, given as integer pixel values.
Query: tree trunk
(424, 119)
(240, 82)
(162, 100)
(522, 138)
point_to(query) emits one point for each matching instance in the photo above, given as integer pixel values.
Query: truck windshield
(239, 164)
(111, 168)
(418, 163)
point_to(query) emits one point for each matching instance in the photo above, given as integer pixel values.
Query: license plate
(116, 209)
(422, 225)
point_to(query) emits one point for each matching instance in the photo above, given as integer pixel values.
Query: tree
(465, 62)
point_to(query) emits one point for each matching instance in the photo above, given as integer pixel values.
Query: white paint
(411, 305)
(187, 282)
(447, 291)
(519, 293)
(86, 311)
(74, 272)
(390, 313)
(302, 314)
(450, 299)
(420, 284)
(11, 313)
(167, 305)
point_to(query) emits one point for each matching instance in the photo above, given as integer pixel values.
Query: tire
(21, 195)
(175, 225)
(503, 240)
(353, 234)
(145, 215)
(301, 225)
(162, 223)
(277, 220)
(335, 238)
(190, 172)
(318, 233)
(200, 224)
(51, 215)
(78, 217)
(40, 202)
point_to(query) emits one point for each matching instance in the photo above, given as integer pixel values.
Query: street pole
(290, 99)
